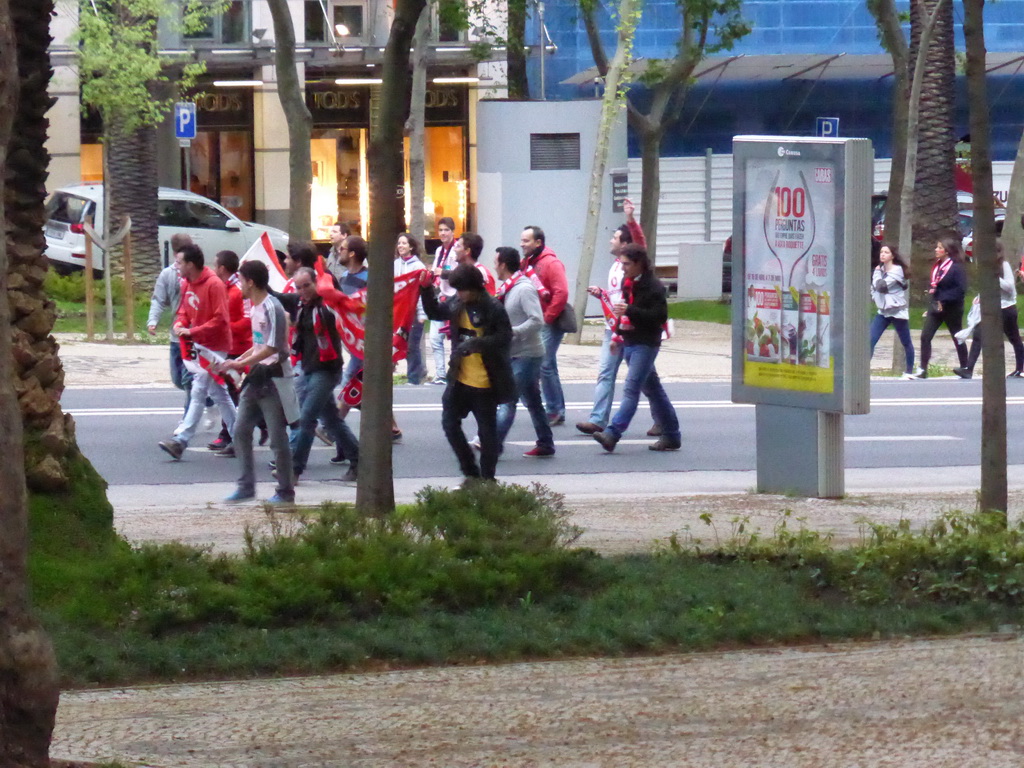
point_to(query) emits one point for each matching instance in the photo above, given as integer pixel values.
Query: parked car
(964, 200)
(211, 227)
(965, 224)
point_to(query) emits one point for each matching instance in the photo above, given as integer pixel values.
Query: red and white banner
(351, 310)
(263, 250)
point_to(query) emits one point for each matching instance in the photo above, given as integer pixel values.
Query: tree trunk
(375, 492)
(414, 128)
(39, 376)
(909, 208)
(611, 108)
(300, 122)
(132, 189)
(1013, 231)
(515, 52)
(935, 197)
(650, 189)
(28, 680)
(993, 495)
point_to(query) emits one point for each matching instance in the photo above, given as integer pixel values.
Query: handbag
(566, 321)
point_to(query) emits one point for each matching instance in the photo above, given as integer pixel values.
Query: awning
(779, 67)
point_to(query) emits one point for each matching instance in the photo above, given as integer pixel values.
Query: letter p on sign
(185, 120)
(826, 127)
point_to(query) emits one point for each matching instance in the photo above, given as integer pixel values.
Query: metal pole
(707, 194)
(543, 49)
(90, 330)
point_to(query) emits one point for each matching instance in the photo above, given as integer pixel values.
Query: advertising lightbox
(801, 267)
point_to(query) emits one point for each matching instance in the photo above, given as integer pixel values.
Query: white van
(210, 226)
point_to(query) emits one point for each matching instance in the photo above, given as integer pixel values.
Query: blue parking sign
(826, 127)
(185, 120)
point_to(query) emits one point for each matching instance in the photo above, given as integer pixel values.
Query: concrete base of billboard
(800, 451)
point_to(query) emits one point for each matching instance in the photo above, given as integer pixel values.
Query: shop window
(220, 168)
(91, 158)
(331, 20)
(445, 189)
(229, 28)
(339, 190)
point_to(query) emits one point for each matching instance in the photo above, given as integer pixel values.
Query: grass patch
(713, 311)
(489, 574)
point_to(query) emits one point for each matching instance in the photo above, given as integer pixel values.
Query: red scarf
(506, 286)
(938, 272)
(534, 276)
(324, 343)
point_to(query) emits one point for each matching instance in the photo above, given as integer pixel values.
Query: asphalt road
(912, 424)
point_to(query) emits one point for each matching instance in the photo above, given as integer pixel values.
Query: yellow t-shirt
(472, 372)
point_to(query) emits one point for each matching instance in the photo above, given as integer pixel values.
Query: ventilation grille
(554, 151)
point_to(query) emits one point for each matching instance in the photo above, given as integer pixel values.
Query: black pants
(952, 316)
(458, 402)
(1012, 333)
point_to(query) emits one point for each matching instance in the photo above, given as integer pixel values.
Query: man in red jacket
(202, 319)
(239, 317)
(547, 274)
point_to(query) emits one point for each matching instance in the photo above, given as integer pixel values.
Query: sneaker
(606, 439)
(351, 476)
(272, 464)
(278, 500)
(396, 435)
(173, 447)
(475, 443)
(540, 451)
(963, 373)
(238, 497)
(665, 444)
(227, 452)
(440, 380)
(588, 427)
(556, 420)
(908, 376)
(322, 435)
(1015, 375)
(219, 444)
(921, 374)
(655, 431)
(338, 459)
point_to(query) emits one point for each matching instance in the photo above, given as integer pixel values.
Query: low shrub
(71, 287)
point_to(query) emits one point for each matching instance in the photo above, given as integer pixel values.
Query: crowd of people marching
(947, 292)
(273, 361)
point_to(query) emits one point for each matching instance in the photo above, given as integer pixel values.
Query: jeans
(952, 315)
(526, 373)
(253, 404)
(415, 371)
(554, 400)
(604, 392)
(319, 404)
(181, 377)
(437, 348)
(642, 377)
(457, 403)
(1012, 333)
(879, 323)
(203, 386)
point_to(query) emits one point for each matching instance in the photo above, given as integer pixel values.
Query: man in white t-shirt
(267, 360)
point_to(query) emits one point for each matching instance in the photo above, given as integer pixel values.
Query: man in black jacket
(479, 372)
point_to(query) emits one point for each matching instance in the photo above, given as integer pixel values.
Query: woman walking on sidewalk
(947, 291)
(1008, 304)
(889, 292)
(641, 313)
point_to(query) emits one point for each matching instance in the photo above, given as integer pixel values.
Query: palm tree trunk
(935, 198)
(28, 680)
(132, 188)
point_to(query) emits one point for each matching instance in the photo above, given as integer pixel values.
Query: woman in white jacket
(889, 292)
(1008, 303)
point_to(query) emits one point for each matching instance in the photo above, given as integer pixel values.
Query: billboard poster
(789, 279)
